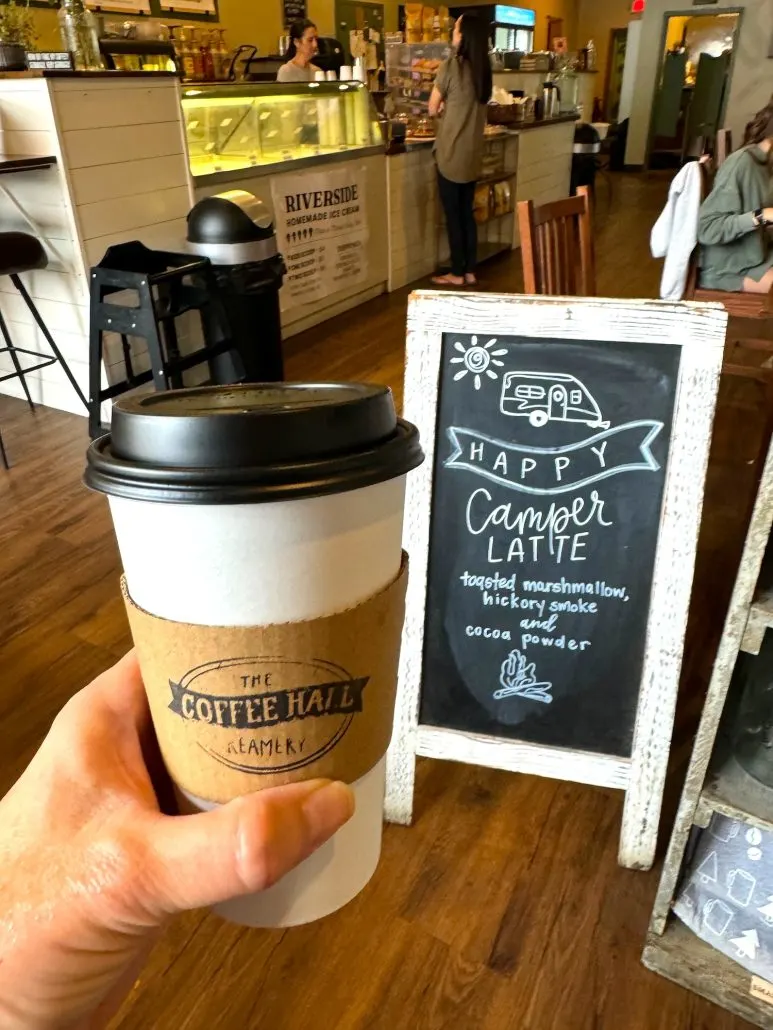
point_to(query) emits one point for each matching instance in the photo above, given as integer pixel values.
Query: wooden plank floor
(503, 907)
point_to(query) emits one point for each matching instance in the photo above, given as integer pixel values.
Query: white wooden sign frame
(699, 329)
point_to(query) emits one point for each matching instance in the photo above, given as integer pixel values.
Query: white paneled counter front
(121, 173)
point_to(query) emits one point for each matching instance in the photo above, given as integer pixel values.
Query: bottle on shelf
(186, 55)
(207, 60)
(220, 55)
(78, 29)
(198, 59)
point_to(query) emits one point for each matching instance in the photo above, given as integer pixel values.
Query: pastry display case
(248, 125)
(410, 76)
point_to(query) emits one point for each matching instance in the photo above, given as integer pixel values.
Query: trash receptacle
(587, 147)
(235, 231)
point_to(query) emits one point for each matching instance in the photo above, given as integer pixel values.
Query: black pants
(457, 200)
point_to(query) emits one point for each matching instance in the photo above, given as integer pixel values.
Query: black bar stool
(20, 252)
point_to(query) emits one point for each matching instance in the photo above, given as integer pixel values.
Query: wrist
(759, 218)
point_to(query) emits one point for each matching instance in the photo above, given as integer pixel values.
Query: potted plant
(17, 35)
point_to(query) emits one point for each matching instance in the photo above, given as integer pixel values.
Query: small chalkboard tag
(553, 536)
(50, 60)
(293, 10)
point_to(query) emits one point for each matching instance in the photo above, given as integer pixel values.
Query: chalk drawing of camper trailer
(544, 397)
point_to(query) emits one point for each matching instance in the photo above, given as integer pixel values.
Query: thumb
(241, 847)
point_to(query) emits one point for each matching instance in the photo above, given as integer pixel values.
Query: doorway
(354, 14)
(693, 84)
(555, 31)
(618, 47)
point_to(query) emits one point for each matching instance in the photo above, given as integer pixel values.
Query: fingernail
(327, 809)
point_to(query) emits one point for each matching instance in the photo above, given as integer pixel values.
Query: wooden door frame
(608, 74)
(550, 18)
(691, 12)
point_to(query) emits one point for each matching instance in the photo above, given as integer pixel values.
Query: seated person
(736, 252)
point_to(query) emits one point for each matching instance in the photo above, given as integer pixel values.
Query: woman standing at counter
(459, 97)
(303, 47)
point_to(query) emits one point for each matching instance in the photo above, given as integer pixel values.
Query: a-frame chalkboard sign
(552, 535)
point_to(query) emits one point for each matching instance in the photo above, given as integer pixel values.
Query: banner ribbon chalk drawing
(624, 448)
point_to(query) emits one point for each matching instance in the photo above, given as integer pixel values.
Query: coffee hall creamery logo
(268, 715)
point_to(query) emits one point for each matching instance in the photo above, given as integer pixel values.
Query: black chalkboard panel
(293, 10)
(547, 490)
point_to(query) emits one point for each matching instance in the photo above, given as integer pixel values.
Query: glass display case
(410, 74)
(247, 125)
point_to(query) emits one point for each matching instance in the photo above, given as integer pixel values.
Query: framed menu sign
(552, 535)
(189, 6)
(293, 10)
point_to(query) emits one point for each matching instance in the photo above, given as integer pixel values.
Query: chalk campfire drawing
(478, 360)
(518, 680)
(544, 397)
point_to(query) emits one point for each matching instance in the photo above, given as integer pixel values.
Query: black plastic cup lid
(252, 443)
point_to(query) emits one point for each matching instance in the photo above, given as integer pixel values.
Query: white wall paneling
(121, 174)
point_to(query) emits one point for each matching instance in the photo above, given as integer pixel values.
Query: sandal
(448, 280)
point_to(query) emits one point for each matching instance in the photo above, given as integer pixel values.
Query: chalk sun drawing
(518, 679)
(478, 360)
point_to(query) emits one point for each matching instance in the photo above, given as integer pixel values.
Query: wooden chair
(557, 246)
(723, 146)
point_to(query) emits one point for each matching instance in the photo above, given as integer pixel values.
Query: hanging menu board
(552, 536)
(190, 6)
(293, 10)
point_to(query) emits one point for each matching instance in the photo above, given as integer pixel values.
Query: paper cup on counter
(319, 76)
(260, 533)
(345, 73)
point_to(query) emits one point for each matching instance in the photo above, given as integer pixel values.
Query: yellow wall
(595, 20)
(675, 31)
(246, 21)
(260, 21)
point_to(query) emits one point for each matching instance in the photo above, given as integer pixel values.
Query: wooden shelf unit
(715, 782)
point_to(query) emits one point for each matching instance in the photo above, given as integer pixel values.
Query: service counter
(130, 153)
(315, 151)
(532, 162)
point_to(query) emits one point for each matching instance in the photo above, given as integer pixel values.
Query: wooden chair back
(557, 246)
(723, 146)
(693, 270)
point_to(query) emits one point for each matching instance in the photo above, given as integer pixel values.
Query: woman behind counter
(459, 97)
(734, 221)
(303, 47)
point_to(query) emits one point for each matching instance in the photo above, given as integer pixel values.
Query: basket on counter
(505, 114)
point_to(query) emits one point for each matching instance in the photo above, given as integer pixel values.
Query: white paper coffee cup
(254, 562)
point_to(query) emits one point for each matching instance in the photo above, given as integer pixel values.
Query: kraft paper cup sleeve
(237, 709)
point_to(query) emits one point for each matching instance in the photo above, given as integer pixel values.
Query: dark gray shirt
(459, 129)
